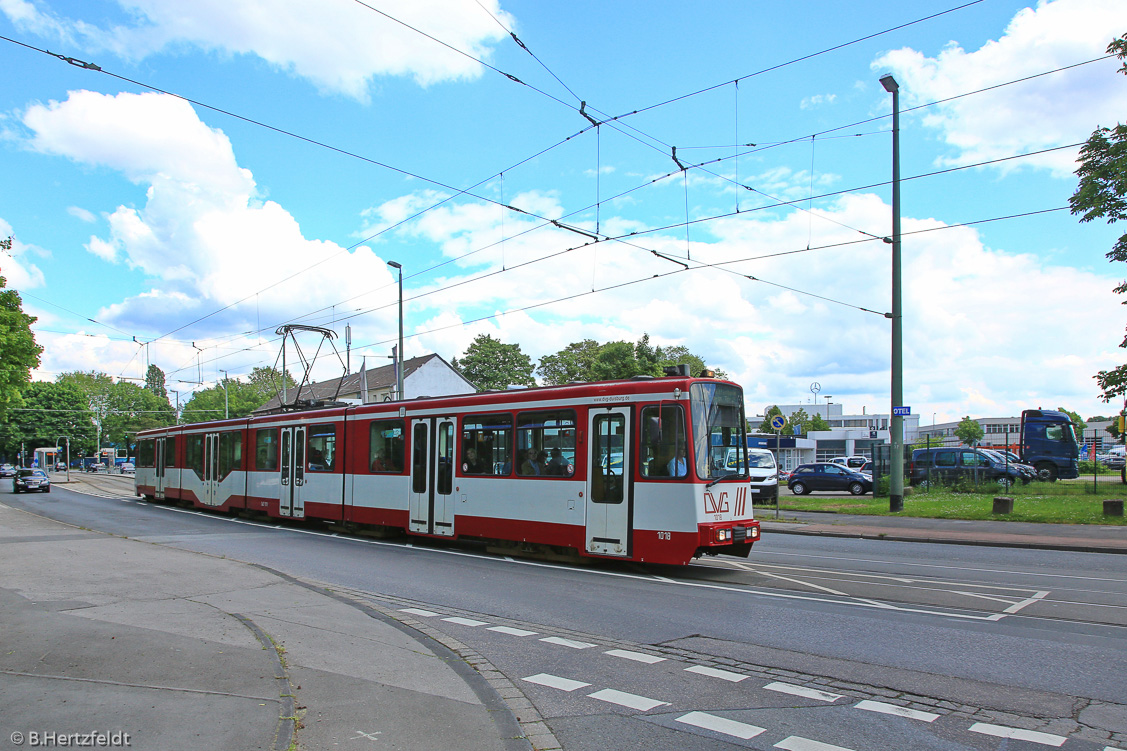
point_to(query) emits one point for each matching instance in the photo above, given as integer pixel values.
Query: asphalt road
(906, 645)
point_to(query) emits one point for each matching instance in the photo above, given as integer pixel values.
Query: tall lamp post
(399, 352)
(896, 481)
(226, 400)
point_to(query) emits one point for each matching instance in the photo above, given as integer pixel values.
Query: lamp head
(889, 84)
(394, 265)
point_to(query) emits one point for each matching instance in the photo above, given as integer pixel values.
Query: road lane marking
(418, 611)
(1001, 731)
(721, 725)
(805, 693)
(554, 681)
(723, 675)
(631, 701)
(892, 709)
(511, 631)
(635, 656)
(464, 621)
(568, 642)
(798, 743)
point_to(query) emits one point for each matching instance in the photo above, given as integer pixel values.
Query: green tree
(269, 381)
(969, 431)
(133, 408)
(19, 353)
(490, 364)
(817, 422)
(575, 362)
(154, 382)
(95, 387)
(50, 411)
(239, 400)
(1078, 422)
(679, 353)
(1102, 194)
(800, 420)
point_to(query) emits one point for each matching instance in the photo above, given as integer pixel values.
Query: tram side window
(663, 441)
(146, 456)
(230, 452)
(546, 443)
(322, 447)
(487, 445)
(607, 481)
(266, 449)
(386, 446)
(170, 451)
(193, 453)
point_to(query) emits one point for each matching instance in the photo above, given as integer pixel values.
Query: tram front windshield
(719, 432)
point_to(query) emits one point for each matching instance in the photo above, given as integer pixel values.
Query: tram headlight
(723, 535)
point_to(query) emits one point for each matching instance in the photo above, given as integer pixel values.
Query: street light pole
(399, 352)
(226, 400)
(896, 484)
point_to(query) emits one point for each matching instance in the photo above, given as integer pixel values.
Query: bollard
(1003, 505)
(1113, 507)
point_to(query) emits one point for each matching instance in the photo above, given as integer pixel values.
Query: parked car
(128, 468)
(28, 480)
(763, 475)
(828, 476)
(852, 462)
(1028, 471)
(7, 470)
(950, 465)
(60, 466)
(95, 467)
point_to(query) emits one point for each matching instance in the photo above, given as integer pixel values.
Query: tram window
(266, 449)
(385, 452)
(322, 452)
(490, 438)
(546, 443)
(193, 453)
(146, 456)
(445, 435)
(170, 451)
(607, 458)
(662, 436)
(230, 452)
(419, 458)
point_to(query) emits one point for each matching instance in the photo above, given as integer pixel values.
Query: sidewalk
(158, 648)
(1090, 538)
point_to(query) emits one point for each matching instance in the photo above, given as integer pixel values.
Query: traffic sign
(778, 421)
(902, 411)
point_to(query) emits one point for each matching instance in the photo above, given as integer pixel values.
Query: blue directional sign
(778, 421)
(902, 411)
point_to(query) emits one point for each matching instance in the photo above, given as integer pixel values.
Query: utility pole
(896, 481)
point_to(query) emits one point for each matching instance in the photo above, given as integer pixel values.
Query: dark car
(28, 480)
(826, 476)
(950, 465)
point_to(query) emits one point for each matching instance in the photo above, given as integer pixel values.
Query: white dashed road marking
(635, 656)
(464, 621)
(568, 642)
(418, 611)
(798, 743)
(632, 701)
(892, 709)
(554, 681)
(511, 631)
(1001, 731)
(716, 673)
(720, 725)
(805, 693)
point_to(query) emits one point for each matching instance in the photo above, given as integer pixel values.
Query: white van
(763, 475)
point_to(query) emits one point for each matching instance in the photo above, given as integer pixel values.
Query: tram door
(210, 494)
(609, 482)
(291, 500)
(431, 504)
(161, 464)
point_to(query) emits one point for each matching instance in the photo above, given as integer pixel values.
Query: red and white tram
(635, 470)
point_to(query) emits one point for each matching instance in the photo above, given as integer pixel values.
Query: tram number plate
(665, 535)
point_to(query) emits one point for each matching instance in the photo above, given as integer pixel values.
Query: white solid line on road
(798, 743)
(720, 725)
(716, 673)
(418, 611)
(511, 631)
(805, 693)
(554, 681)
(464, 621)
(892, 709)
(635, 656)
(632, 701)
(567, 642)
(1001, 731)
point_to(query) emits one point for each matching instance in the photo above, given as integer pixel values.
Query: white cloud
(340, 46)
(812, 102)
(1041, 113)
(16, 266)
(82, 214)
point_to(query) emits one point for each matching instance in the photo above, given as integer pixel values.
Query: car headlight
(772, 478)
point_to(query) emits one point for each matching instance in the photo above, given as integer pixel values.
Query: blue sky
(324, 139)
